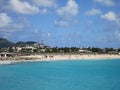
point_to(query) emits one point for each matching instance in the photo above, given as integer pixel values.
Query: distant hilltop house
(29, 47)
(36, 45)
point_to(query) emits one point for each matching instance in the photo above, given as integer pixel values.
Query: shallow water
(61, 75)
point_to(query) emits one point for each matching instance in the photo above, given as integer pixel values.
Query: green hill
(21, 43)
(4, 43)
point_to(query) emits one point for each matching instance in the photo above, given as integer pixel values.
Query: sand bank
(72, 57)
(52, 57)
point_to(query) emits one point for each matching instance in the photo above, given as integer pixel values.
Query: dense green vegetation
(4, 43)
(21, 43)
(76, 50)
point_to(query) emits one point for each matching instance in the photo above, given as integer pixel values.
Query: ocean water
(61, 75)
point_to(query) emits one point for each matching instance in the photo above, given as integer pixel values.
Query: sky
(62, 23)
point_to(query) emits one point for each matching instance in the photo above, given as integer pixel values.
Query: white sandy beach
(52, 57)
(72, 57)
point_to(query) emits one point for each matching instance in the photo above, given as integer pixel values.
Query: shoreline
(57, 57)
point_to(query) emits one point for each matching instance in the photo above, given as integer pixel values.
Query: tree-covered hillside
(4, 43)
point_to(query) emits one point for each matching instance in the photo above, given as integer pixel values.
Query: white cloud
(67, 12)
(117, 35)
(48, 35)
(71, 9)
(14, 25)
(89, 23)
(61, 23)
(4, 19)
(36, 31)
(43, 11)
(2, 2)
(45, 3)
(22, 7)
(93, 12)
(117, 32)
(105, 2)
(111, 16)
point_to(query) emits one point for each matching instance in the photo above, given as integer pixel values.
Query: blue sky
(62, 22)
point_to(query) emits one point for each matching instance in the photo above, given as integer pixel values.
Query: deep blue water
(61, 75)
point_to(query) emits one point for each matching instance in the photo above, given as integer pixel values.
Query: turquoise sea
(61, 75)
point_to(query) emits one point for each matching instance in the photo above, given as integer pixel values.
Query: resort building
(84, 51)
(5, 54)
